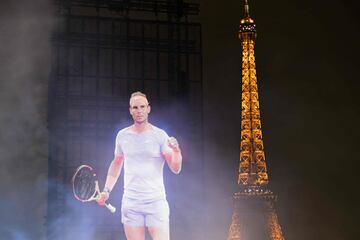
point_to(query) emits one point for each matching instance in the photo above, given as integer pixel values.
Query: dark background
(307, 57)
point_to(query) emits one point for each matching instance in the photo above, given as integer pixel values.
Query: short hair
(138, 93)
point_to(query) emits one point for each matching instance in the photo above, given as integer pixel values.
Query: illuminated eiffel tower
(254, 216)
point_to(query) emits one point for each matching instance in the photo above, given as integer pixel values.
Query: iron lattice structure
(254, 216)
(102, 51)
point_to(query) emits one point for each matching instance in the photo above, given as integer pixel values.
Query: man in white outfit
(143, 149)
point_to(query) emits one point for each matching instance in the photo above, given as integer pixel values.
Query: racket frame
(96, 194)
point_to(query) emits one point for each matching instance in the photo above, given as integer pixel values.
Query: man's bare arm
(173, 157)
(111, 178)
(114, 172)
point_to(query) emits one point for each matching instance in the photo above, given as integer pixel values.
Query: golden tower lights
(254, 216)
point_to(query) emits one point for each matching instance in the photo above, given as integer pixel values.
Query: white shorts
(139, 213)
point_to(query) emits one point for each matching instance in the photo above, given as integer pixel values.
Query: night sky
(307, 56)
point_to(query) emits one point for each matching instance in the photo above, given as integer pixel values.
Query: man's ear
(149, 109)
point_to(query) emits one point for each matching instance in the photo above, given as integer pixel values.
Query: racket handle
(111, 208)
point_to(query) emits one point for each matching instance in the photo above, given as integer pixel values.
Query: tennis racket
(86, 186)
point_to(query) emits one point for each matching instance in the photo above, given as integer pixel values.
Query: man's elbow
(176, 170)
(118, 161)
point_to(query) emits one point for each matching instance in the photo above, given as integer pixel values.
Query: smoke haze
(25, 28)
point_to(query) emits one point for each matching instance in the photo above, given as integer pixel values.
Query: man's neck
(141, 127)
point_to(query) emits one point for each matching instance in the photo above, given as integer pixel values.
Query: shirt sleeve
(118, 151)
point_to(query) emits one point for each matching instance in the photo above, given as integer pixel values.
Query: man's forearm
(176, 161)
(113, 173)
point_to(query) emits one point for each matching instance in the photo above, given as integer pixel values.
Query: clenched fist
(173, 144)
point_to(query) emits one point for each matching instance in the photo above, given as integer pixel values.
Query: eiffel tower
(254, 216)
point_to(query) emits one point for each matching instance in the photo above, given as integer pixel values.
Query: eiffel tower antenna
(254, 215)
(247, 11)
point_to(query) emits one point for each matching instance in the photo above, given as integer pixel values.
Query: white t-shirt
(143, 162)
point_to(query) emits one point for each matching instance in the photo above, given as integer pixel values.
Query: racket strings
(84, 184)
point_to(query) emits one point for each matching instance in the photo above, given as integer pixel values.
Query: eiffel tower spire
(254, 215)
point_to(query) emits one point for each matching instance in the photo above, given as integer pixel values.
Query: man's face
(139, 109)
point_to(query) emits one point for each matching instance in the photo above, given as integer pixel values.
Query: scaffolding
(102, 52)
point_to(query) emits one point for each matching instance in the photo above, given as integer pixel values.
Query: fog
(25, 28)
